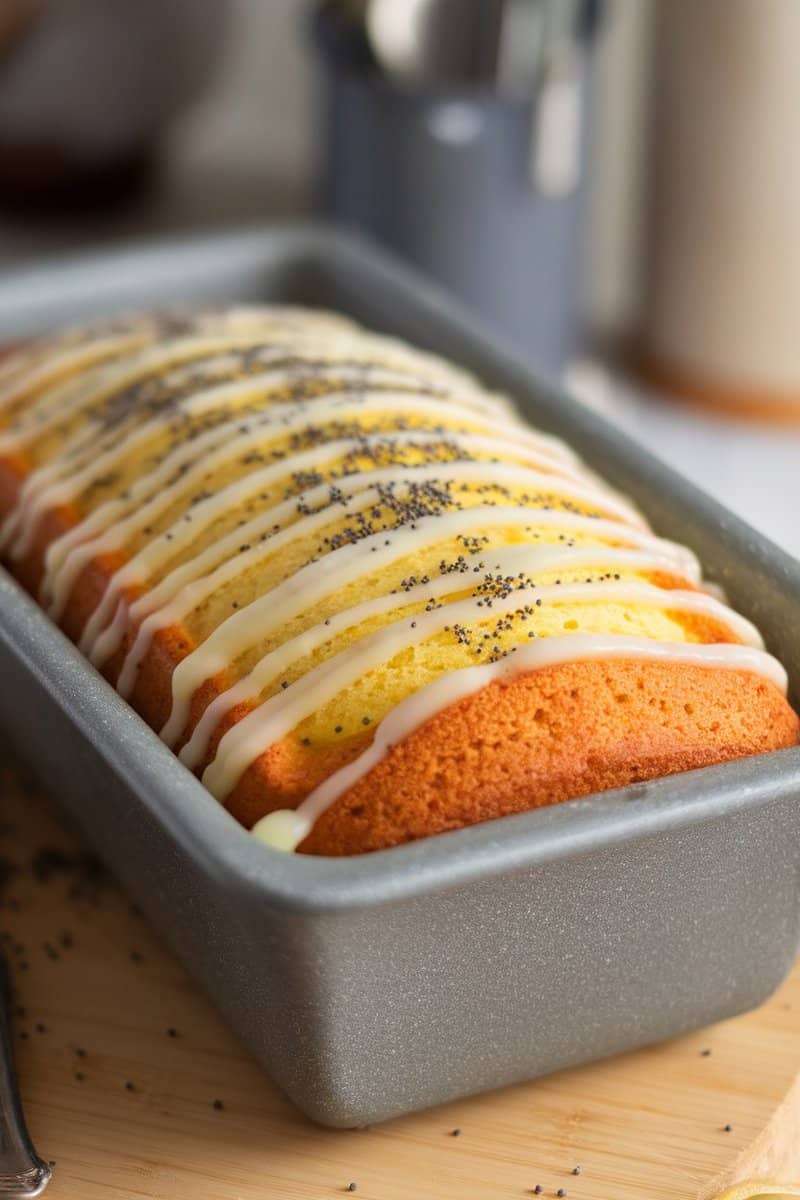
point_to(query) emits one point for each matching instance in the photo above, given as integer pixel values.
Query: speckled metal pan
(371, 986)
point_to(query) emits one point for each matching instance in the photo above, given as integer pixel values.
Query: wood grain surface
(135, 1087)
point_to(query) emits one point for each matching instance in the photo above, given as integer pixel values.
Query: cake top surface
(352, 532)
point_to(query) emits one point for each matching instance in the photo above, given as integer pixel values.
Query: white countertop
(753, 469)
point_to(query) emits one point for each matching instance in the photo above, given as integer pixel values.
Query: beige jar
(721, 308)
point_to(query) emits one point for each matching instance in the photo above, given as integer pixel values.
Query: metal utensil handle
(555, 152)
(23, 1174)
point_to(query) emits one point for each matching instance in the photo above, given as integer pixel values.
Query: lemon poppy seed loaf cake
(357, 595)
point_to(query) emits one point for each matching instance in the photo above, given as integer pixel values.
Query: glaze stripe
(285, 829)
(263, 528)
(329, 574)
(278, 715)
(254, 734)
(181, 469)
(61, 481)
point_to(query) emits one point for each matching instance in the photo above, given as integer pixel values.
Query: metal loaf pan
(371, 986)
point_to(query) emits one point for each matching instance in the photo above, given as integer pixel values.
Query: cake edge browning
(551, 735)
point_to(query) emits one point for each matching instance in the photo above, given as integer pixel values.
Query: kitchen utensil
(438, 42)
(556, 136)
(453, 177)
(23, 1174)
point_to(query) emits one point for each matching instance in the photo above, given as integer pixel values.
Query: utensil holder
(444, 177)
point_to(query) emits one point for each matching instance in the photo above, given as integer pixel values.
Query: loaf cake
(360, 598)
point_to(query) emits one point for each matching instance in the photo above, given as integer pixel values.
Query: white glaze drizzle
(430, 389)
(150, 481)
(507, 561)
(322, 577)
(41, 489)
(46, 371)
(60, 481)
(82, 463)
(181, 589)
(285, 829)
(60, 396)
(138, 569)
(276, 717)
(33, 368)
(68, 554)
(270, 342)
(228, 766)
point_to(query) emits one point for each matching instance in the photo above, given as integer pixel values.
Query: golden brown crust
(555, 734)
(287, 772)
(13, 470)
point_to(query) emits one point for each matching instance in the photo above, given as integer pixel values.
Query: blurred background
(613, 185)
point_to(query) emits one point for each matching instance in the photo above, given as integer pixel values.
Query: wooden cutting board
(135, 1087)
